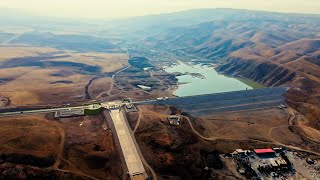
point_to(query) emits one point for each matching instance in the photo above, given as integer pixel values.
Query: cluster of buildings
(258, 163)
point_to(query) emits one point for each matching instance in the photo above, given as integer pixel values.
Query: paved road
(113, 79)
(200, 105)
(13, 38)
(43, 111)
(112, 82)
(128, 147)
(37, 111)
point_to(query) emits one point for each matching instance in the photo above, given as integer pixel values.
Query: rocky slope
(272, 49)
(296, 65)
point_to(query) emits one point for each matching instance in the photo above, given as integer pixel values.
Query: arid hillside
(273, 50)
(183, 151)
(44, 147)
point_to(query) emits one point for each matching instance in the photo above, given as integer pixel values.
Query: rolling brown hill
(303, 46)
(270, 49)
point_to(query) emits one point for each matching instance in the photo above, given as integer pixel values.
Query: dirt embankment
(305, 87)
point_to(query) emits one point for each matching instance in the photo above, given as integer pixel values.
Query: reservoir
(202, 79)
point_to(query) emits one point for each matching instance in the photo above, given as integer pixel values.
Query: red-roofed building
(268, 151)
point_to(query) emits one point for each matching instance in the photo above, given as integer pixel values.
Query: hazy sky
(124, 8)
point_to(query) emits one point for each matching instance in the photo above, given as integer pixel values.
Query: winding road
(13, 38)
(112, 83)
(145, 163)
(113, 79)
(246, 139)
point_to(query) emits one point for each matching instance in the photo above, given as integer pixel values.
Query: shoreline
(208, 86)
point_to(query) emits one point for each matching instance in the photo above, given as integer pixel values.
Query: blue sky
(125, 8)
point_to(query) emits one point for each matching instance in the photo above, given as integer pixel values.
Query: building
(277, 150)
(240, 151)
(174, 120)
(129, 107)
(69, 113)
(264, 152)
(282, 163)
(242, 171)
(274, 164)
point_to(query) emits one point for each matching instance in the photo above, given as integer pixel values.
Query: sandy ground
(304, 170)
(251, 124)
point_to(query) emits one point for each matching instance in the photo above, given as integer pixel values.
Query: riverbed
(203, 79)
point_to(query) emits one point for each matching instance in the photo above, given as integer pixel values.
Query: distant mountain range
(289, 41)
(145, 25)
(270, 48)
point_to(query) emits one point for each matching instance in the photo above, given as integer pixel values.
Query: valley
(192, 89)
(286, 54)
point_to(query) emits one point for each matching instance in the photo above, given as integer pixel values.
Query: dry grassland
(31, 134)
(27, 85)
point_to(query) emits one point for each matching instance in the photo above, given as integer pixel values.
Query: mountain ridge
(276, 50)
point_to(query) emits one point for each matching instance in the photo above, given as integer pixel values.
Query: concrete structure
(174, 120)
(242, 171)
(112, 105)
(128, 147)
(281, 162)
(240, 151)
(56, 110)
(69, 113)
(277, 150)
(94, 106)
(203, 105)
(130, 108)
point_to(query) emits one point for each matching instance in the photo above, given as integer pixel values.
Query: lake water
(210, 82)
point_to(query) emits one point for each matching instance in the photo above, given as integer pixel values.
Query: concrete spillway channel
(125, 141)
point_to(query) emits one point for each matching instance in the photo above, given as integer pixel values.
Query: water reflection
(203, 79)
